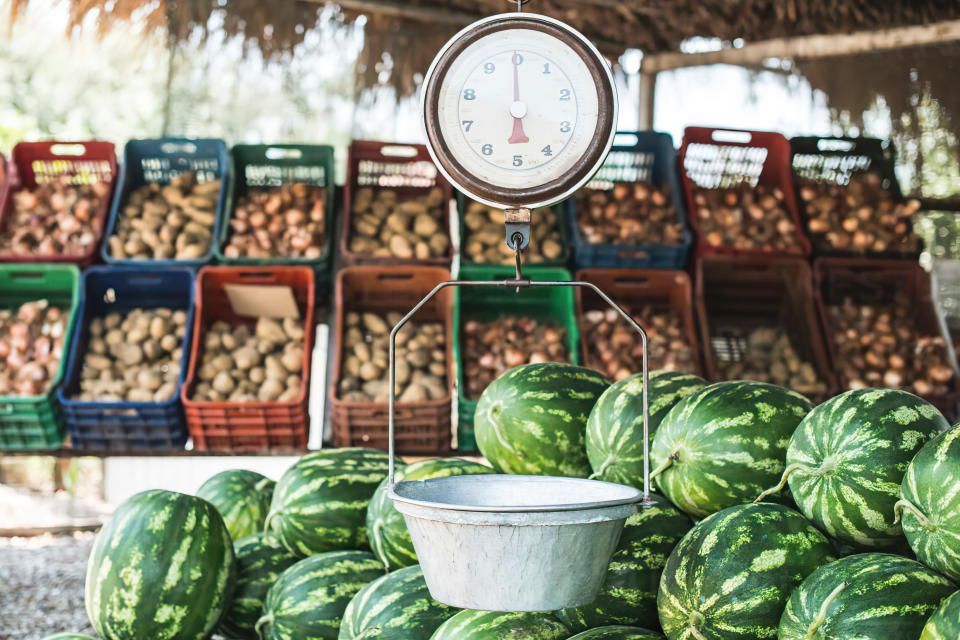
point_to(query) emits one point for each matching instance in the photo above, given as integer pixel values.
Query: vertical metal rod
(391, 377)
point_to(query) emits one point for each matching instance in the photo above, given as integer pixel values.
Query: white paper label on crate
(255, 300)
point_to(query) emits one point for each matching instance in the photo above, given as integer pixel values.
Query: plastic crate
(735, 295)
(489, 303)
(405, 168)
(642, 156)
(247, 426)
(160, 160)
(33, 163)
(664, 290)
(836, 160)
(721, 158)
(420, 427)
(871, 281)
(35, 422)
(273, 165)
(126, 426)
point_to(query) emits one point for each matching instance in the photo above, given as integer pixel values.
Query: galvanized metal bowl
(511, 542)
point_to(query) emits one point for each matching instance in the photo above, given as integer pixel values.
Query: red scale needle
(517, 136)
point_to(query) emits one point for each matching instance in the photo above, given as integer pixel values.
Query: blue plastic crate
(126, 425)
(635, 157)
(161, 160)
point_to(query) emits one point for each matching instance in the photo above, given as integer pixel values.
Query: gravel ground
(41, 586)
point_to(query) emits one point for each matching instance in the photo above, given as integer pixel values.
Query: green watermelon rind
(242, 497)
(614, 437)
(617, 632)
(162, 567)
(929, 505)
(532, 419)
(69, 636)
(730, 577)
(721, 446)
(944, 624)
(396, 606)
(486, 625)
(386, 529)
(868, 596)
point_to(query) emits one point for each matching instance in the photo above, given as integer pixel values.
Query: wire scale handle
(521, 283)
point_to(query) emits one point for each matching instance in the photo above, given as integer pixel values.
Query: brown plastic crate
(405, 168)
(736, 295)
(420, 427)
(873, 281)
(247, 426)
(665, 290)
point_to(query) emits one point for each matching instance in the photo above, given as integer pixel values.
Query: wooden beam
(648, 83)
(806, 47)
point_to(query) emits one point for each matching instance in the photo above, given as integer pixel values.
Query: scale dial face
(519, 110)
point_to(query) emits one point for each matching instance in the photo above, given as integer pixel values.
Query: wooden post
(647, 90)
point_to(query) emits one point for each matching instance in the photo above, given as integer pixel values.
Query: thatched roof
(410, 31)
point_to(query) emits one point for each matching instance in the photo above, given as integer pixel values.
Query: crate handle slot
(68, 149)
(835, 144)
(398, 151)
(145, 281)
(258, 275)
(639, 255)
(27, 275)
(636, 281)
(178, 147)
(6, 408)
(625, 139)
(119, 412)
(725, 135)
(279, 153)
(394, 276)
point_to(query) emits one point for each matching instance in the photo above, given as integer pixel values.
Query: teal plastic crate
(555, 304)
(35, 422)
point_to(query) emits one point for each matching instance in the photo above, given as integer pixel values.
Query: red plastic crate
(405, 168)
(247, 426)
(33, 163)
(720, 158)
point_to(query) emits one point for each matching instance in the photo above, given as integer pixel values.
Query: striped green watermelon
(68, 636)
(162, 567)
(242, 497)
(944, 624)
(847, 459)
(259, 562)
(730, 577)
(386, 529)
(929, 504)
(724, 444)
(493, 625)
(308, 600)
(396, 606)
(870, 596)
(320, 503)
(532, 419)
(615, 426)
(617, 633)
(629, 592)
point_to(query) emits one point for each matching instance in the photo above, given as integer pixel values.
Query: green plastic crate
(34, 422)
(272, 165)
(558, 209)
(485, 304)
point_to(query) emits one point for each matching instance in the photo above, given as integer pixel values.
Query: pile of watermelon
(771, 518)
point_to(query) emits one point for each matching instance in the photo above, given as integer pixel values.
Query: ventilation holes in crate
(712, 166)
(271, 175)
(79, 171)
(729, 346)
(374, 173)
(623, 166)
(166, 169)
(836, 169)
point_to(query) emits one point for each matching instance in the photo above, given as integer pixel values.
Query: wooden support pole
(807, 47)
(648, 84)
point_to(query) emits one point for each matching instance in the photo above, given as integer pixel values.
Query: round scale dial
(519, 110)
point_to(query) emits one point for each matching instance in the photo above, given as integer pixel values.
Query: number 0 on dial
(519, 110)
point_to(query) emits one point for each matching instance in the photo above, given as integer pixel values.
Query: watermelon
(846, 460)
(259, 562)
(629, 592)
(615, 425)
(493, 625)
(320, 503)
(944, 624)
(724, 444)
(396, 606)
(729, 578)
(308, 600)
(869, 596)
(929, 505)
(242, 497)
(386, 529)
(617, 633)
(68, 636)
(532, 419)
(162, 567)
